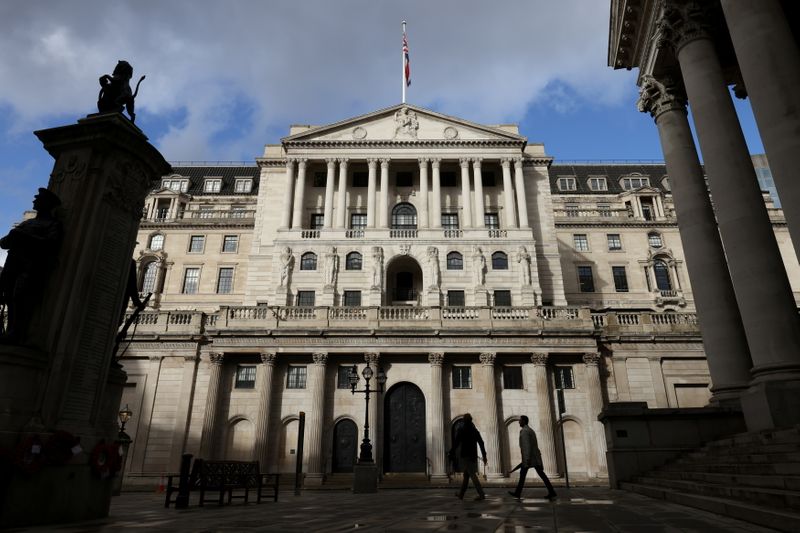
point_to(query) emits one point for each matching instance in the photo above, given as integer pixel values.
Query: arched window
(654, 240)
(156, 242)
(353, 261)
(308, 261)
(404, 216)
(661, 271)
(149, 277)
(455, 261)
(499, 261)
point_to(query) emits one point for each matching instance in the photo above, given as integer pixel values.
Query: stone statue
(524, 260)
(406, 123)
(433, 261)
(331, 266)
(377, 267)
(115, 91)
(479, 264)
(286, 265)
(32, 248)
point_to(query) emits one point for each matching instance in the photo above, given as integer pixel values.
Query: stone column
(768, 309)
(383, 222)
(480, 211)
(207, 441)
(544, 414)
(508, 194)
(329, 186)
(423, 193)
(372, 163)
(769, 60)
(466, 198)
(341, 198)
(264, 374)
(522, 200)
(595, 395)
(372, 359)
(288, 193)
(297, 215)
(491, 436)
(724, 340)
(436, 212)
(437, 453)
(316, 419)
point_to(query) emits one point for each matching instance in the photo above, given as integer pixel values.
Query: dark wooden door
(345, 441)
(404, 432)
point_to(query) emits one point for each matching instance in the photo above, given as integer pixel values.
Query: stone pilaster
(508, 194)
(329, 189)
(383, 221)
(208, 439)
(595, 395)
(423, 193)
(491, 436)
(437, 453)
(522, 200)
(264, 373)
(436, 212)
(316, 418)
(372, 164)
(372, 359)
(544, 414)
(341, 195)
(288, 193)
(299, 195)
(466, 196)
(139, 446)
(480, 210)
(184, 410)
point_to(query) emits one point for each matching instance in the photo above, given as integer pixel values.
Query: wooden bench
(226, 477)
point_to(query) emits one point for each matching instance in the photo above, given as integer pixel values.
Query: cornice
(411, 143)
(280, 162)
(209, 223)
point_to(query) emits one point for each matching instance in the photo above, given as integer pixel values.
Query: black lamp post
(366, 447)
(124, 440)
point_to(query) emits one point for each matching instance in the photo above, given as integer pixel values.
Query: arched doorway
(241, 436)
(345, 440)
(404, 430)
(403, 281)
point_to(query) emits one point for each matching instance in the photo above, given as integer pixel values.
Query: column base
(495, 476)
(365, 478)
(439, 479)
(771, 405)
(313, 480)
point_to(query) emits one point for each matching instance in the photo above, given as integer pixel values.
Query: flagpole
(403, 63)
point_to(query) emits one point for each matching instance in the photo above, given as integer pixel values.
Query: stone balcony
(419, 234)
(571, 215)
(203, 216)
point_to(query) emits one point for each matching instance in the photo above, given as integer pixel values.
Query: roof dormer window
(598, 183)
(212, 185)
(567, 184)
(175, 184)
(634, 182)
(243, 185)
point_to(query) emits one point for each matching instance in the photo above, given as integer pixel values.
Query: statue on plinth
(524, 260)
(331, 267)
(433, 261)
(32, 248)
(286, 265)
(479, 264)
(115, 91)
(377, 267)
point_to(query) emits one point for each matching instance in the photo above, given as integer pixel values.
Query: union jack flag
(408, 61)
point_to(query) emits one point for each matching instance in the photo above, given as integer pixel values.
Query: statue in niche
(377, 267)
(32, 248)
(433, 261)
(479, 264)
(406, 123)
(331, 266)
(115, 91)
(524, 260)
(287, 261)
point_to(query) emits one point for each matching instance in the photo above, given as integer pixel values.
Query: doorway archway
(345, 443)
(404, 429)
(403, 281)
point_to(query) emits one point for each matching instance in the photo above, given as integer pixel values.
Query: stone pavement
(576, 510)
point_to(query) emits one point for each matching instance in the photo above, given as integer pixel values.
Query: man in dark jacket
(467, 441)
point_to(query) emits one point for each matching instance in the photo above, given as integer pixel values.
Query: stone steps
(765, 468)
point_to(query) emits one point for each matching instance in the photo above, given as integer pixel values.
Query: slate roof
(228, 173)
(612, 172)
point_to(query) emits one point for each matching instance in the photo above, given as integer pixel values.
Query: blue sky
(225, 78)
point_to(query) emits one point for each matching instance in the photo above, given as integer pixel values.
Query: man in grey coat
(531, 458)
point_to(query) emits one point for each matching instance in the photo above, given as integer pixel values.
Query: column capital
(301, 161)
(591, 358)
(423, 160)
(476, 162)
(384, 161)
(506, 162)
(372, 162)
(215, 358)
(435, 161)
(331, 162)
(517, 162)
(290, 161)
(320, 358)
(659, 96)
(268, 358)
(487, 358)
(343, 161)
(372, 358)
(436, 358)
(464, 162)
(681, 24)
(539, 358)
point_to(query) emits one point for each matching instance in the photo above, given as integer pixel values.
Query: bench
(226, 477)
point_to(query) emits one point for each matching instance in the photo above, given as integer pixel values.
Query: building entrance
(404, 431)
(345, 439)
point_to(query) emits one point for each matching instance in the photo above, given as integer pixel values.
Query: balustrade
(511, 313)
(460, 313)
(404, 313)
(556, 313)
(403, 233)
(309, 234)
(354, 234)
(453, 233)
(497, 233)
(348, 313)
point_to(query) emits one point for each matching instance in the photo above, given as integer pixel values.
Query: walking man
(531, 458)
(467, 441)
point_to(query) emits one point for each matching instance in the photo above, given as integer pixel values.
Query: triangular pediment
(404, 122)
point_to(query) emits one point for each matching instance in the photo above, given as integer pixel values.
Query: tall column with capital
(207, 440)
(480, 211)
(522, 200)
(762, 289)
(492, 435)
(724, 340)
(372, 163)
(436, 212)
(297, 216)
(592, 362)
(288, 193)
(330, 180)
(341, 198)
(466, 197)
(437, 454)
(769, 59)
(264, 373)
(544, 414)
(372, 359)
(423, 192)
(316, 418)
(383, 221)
(508, 193)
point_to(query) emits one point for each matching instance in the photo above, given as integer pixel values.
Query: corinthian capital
(681, 24)
(436, 358)
(591, 358)
(268, 358)
(215, 358)
(487, 359)
(372, 358)
(320, 358)
(464, 162)
(659, 96)
(539, 358)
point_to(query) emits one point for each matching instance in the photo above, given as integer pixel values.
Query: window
(455, 298)
(499, 261)
(620, 278)
(296, 377)
(598, 184)
(563, 377)
(156, 242)
(449, 220)
(243, 185)
(308, 261)
(320, 179)
(661, 271)
(487, 179)
(352, 298)
(343, 377)
(585, 278)
(604, 210)
(647, 209)
(634, 183)
(191, 280)
(404, 179)
(149, 277)
(197, 243)
(566, 184)
(245, 377)
(358, 220)
(448, 179)
(572, 210)
(502, 298)
(581, 242)
(225, 280)
(353, 261)
(654, 240)
(491, 220)
(206, 211)
(305, 298)
(462, 377)
(512, 377)
(404, 216)
(317, 221)
(455, 261)
(614, 242)
(360, 179)
(230, 243)
(177, 185)
(212, 185)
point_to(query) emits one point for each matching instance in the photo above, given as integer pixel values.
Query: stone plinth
(365, 478)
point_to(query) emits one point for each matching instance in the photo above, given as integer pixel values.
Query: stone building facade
(478, 273)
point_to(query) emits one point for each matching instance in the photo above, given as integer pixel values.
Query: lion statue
(115, 91)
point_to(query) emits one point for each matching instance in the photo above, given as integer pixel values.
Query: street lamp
(366, 447)
(124, 440)
(125, 414)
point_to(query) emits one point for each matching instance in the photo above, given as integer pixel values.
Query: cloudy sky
(224, 78)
